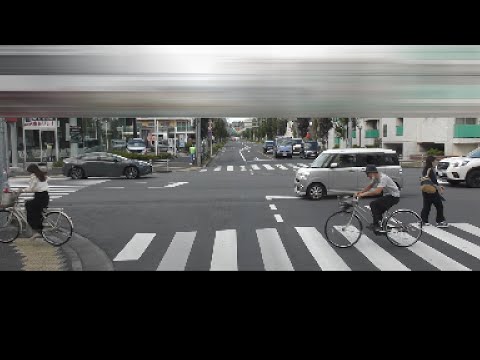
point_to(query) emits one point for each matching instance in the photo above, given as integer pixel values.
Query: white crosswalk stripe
(225, 253)
(268, 167)
(54, 191)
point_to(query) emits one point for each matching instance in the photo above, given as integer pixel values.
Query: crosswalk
(55, 191)
(256, 167)
(456, 248)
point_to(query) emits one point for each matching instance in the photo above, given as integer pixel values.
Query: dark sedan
(310, 150)
(101, 164)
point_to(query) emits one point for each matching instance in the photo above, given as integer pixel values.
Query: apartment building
(412, 136)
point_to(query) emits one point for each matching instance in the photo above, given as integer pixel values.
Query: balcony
(372, 134)
(467, 131)
(399, 131)
(185, 129)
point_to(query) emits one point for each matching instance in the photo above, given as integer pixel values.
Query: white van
(339, 171)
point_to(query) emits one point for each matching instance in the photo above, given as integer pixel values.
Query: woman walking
(34, 207)
(433, 198)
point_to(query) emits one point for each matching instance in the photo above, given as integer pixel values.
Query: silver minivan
(338, 171)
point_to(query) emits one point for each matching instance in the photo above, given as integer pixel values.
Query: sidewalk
(78, 254)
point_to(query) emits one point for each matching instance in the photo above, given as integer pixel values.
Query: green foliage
(147, 157)
(435, 152)
(58, 164)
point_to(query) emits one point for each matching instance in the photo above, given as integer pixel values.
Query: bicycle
(57, 225)
(343, 229)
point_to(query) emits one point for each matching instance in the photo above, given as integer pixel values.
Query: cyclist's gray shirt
(388, 185)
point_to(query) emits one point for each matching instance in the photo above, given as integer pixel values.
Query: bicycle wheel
(404, 227)
(57, 228)
(343, 229)
(9, 226)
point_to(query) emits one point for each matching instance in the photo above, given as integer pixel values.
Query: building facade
(415, 136)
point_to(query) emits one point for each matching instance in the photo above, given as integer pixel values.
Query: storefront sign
(75, 134)
(39, 124)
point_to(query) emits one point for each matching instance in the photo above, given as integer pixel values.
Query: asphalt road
(241, 213)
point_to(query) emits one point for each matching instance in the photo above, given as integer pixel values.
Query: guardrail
(165, 161)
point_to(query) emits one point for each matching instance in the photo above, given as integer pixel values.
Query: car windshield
(311, 146)
(121, 158)
(284, 142)
(136, 143)
(268, 142)
(323, 160)
(297, 141)
(474, 154)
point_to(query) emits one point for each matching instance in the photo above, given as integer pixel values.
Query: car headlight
(303, 175)
(465, 162)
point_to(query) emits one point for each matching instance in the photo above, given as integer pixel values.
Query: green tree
(302, 125)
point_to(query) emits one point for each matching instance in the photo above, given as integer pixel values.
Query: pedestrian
(192, 154)
(39, 186)
(434, 198)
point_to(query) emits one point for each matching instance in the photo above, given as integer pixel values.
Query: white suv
(458, 169)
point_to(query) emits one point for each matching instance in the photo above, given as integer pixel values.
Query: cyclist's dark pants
(34, 209)
(428, 200)
(381, 205)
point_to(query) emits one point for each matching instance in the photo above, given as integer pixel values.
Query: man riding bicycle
(391, 195)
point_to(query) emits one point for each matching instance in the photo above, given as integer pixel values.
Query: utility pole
(349, 138)
(3, 158)
(199, 142)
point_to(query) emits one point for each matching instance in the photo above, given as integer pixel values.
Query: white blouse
(36, 185)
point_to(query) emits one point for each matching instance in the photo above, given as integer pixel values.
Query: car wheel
(316, 191)
(473, 179)
(77, 173)
(131, 172)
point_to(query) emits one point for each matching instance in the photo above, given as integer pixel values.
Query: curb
(84, 255)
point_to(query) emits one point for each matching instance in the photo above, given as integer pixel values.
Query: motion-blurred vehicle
(103, 164)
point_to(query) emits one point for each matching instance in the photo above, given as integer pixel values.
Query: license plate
(441, 174)
(284, 154)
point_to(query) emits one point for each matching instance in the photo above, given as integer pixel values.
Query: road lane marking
(175, 259)
(115, 187)
(243, 167)
(278, 217)
(218, 168)
(135, 247)
(229, 168)
(268, 167)
(273, 207)
(453, 240)
(469, 228)
(271, 197)
(280, 166)
(224, 257)
(382, 259)
(255, 167)
(273, 252)
(203, 170)
(325, 256)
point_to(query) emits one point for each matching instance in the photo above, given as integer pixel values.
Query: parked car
(137, 145)
(119, 144)
(459, 169)
(102, 164)
(268, 146)
(283, 148)
(309, 150)
(343, 171)
(297, 146)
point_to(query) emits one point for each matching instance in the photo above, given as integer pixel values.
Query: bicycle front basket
(8, 199)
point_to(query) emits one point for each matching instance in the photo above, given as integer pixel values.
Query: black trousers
(381, 205)
(34, 209)
(428, 200)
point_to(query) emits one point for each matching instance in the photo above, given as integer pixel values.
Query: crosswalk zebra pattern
(437, 249)
(54, 191)
(256, 167)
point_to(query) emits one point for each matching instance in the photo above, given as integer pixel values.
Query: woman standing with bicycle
(432, 198)
(39, 186)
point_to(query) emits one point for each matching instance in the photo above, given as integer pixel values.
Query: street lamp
(359, 127)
